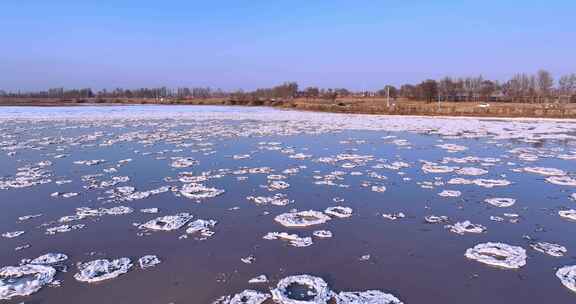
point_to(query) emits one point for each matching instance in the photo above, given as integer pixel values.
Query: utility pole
(438, 92)
(388, 96)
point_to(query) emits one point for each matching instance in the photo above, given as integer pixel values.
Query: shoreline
(477, 110)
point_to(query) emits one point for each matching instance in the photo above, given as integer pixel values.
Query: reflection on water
(103, 175)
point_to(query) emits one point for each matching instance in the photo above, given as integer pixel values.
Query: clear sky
(256, 43)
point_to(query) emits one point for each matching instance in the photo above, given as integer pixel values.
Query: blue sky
(252, 43)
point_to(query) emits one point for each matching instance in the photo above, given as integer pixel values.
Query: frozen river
(201, 204)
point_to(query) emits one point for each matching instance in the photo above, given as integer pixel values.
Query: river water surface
(392, 172)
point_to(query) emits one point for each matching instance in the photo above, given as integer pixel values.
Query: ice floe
(293, 239)
(322, 234)
(500, 202)
(24, 280)
(101, 270)
(245, 297)
(562, 180)
(278, 199)
(434, 219)
(567, 276)
(12, 234)
(545, 171)
(366, 297)
(302, 218)
(450, 193)
(168, 223)
(498, 254)
(466, 227)
(148, 261)
(317, 290)
(261, 279)
(339, 211)
(49, 259)
(199, 191)
(550, 248)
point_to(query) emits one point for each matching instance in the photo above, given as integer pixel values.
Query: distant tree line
(537, 88)
(540, 87)
(162, 92)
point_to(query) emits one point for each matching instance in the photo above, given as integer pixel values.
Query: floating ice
(64, 228)
(49, 259)
(259, 279)
(452, 147)
(568, 214)
(393, 216)
(150, 210)
(183, 162)
(498, 254)
(278, 185)
(248, 260)
(550, 248)
(199, 191)
(450, 193)
(302, 218)
(561, 180)
(13, 234)
(433, 168)
(245, 297)
(567, 276)
(466, 227)
(278, 199)
(491, 183)
(500, 202)
(24, 280)
(241, 156)
(339, 211)
(317, 290)
(545, 171)
(100, 270)
(148, 261)
(168, 223)
(378, 188)
(28, 217)
(366, 297)
(294, 239)
(433, 219)
(322, 233)
(200, 225)
(471, 171)
(89, 162)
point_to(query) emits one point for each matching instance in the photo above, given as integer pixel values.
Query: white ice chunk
(24, 280)
(366, 297)
(466, 227)
(550, 248)
(498, 254)
(302, 218)
(500, 202)
(148, 261)
(100, 270)
(168, 223)
(317, 290)
(567, 276)
(49, 258)
(245, 297)
(199, 191)
(339, 211)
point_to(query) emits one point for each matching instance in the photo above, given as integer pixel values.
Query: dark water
(417, 262)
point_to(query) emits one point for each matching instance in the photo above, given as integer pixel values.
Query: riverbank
(340, 105)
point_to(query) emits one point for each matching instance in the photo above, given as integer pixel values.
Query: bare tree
(545, 82)
(429, 89)
(567, 87)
